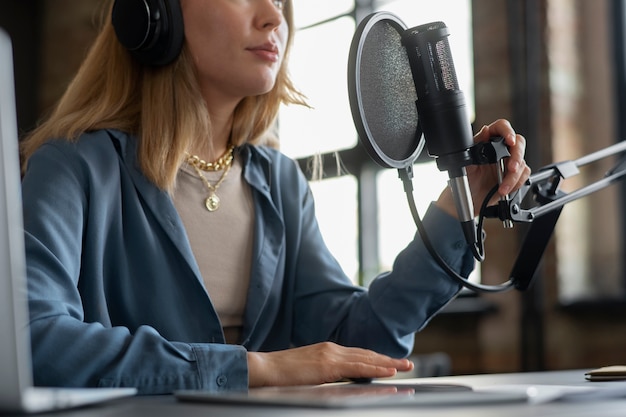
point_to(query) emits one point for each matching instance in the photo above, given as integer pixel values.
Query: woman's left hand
(482, 178)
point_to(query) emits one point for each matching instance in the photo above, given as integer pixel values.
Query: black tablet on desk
(351, 395)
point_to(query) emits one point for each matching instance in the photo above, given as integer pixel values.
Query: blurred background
(555, 68)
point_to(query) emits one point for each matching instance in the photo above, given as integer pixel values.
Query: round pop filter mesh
(382, 92)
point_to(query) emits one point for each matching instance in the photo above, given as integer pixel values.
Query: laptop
(383, 393)
(17, 393)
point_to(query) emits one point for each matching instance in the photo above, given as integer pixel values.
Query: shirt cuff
(222, 367)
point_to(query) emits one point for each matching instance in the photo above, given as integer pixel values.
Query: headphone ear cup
(151, 30)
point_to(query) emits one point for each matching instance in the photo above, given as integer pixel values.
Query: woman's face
(237, 45)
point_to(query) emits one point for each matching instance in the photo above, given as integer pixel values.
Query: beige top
(221, 240)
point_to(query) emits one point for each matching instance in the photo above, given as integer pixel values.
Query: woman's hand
(482, 178)
(318, 364)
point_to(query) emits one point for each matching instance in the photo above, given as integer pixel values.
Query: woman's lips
(267, 52)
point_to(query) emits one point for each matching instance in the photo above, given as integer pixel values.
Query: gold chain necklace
(225, 162)
(222, 162)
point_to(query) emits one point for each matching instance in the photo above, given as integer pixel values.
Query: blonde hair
(162, 106)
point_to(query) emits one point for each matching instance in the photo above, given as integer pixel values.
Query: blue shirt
(116, 297)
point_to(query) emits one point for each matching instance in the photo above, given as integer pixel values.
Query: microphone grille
(448, 73)
(439, 54)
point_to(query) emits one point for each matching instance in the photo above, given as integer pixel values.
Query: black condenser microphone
(442, 113)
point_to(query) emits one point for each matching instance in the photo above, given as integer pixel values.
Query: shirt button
(221, 380)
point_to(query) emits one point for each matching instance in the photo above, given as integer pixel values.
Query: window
(587, 101)
(365, 236)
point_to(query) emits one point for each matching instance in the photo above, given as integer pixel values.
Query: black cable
(408, 189)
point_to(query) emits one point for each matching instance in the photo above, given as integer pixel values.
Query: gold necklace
(212, 202)
(224, 162)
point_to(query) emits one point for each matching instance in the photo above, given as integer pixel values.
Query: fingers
(363, 363)
(320, 363)
(500, 127)
(338, 362)
(517, 172)
(503, 128)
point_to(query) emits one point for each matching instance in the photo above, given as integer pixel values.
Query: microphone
(442, 113)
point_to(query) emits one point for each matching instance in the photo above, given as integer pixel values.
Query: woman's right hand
(318, 364)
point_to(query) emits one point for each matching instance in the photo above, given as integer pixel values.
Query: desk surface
(157, 406)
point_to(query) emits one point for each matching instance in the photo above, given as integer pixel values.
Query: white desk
(157, 406)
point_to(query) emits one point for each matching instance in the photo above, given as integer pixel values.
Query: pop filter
(382, 92)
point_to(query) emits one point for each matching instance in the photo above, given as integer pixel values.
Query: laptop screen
(15, 366)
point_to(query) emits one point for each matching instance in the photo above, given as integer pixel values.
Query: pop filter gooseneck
(383, 103)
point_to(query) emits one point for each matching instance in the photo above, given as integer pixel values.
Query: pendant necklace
(212, 202)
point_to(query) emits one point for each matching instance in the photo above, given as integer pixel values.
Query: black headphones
(152, 30)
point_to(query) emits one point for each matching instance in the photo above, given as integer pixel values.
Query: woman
(149, 267)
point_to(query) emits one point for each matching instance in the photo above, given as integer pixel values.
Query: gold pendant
(212, 202)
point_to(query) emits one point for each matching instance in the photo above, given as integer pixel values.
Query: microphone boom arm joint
(544, 185)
